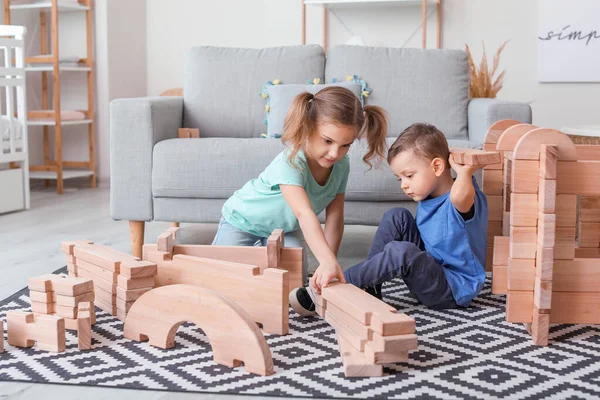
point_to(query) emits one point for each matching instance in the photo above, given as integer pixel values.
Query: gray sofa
(157, 176)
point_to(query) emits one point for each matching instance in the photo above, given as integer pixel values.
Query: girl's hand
(324, 274)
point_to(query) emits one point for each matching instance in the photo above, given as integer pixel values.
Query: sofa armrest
(136, 125)
(484, 112)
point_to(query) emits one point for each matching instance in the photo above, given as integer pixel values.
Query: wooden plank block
(523, 209)
(548, 161)
(99, 283)
(519, 306)
(496, 130)
(507, 171)
(511, 136)
(84, 326)
(566, 210)
(587, 151)
(73, 301)
(521, 274)
(355, 301)
(379, 357)
(355, 362)
(577, 275)
(274, 245)
(130, 295)
(525, 176)
(523, 242)
(25, 329)
(124, 305)
(489, 255)
(542, 294)
(138, 269)
(195, 133)
(589, 234)
(590, 209)
(184, 133)
(391, 324)
(165, 242)
(359, 329)
(587, 252)
(105, 274)
(105, 296)
(501, 250)
(494, 229)
(394, 344)
(106, 307)
(342, 330)
(544, 263)
(494, 208)
(135, 283)
(540, 327)
(578, 177)
(506, 223)
(564, 247)
(547, 196)
(72, 270)
(66, 312)
(500, 279)
(42, 297)
(95, 254)
(42, 308)
(546, 229)
(474, 157)
(575, 308)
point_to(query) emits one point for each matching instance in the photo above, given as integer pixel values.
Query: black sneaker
(375, 291)
(302, 303)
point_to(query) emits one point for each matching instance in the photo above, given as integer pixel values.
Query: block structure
(25, 329)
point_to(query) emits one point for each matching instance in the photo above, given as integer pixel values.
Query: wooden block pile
(119, 279)
(60, 296)
(370, 332)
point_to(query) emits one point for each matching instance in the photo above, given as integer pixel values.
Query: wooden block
(71, 323)
(564, 247)
(501, 250)
(103, 273)
(69, 301)
(66, 312)
(359, 329)
(489, 255)
(494, 208)
(99, 256)
(548, 161)
(547, 196)
(274, 244)
(233, 335)
(546, 229)
(121, 315)
(474, 157)
(184, 133)
(106, 307)
(589, 234)
(68, 246)
(60, 284)
(394, 344)
(577, 275)
(42, 297)
(138, 269)
(528, 148)
(99, 283)
(72, 270)
(494, 229)
(105, 296)
(391, 324)
(521, 274)
(41, 283)
(523, 242)
(378, 357)
(135, 283)
(496, 130)
(123, 305)
(130, 295)
(589, 209)
(523, 209)
(165, 242)
(544, 261)
(578, 177)
(587, 252)
(575, 308)
(542, 296)
(195, 133)
(355, 363)
(42, 308)
(507, 171)
(506, 224)
(342, 330)
(25, 329)
(540, 328)
(492, 181)
(525, 176)
(566, 210)
(500, 279)
(519, 306)
(355, 301)
(84, 326)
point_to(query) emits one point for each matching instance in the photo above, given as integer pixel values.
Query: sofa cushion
(214, 168)
(412, 85)
(222, 86)
(280, 98)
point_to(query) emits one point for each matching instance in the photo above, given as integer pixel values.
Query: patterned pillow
(279, 98)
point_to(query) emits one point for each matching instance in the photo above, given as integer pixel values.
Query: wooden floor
(30, 246)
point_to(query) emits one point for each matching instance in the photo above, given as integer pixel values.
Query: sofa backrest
(412, 85)
(222, 86)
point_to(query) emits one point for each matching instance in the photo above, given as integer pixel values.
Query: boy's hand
(324, 274)
(462, 169)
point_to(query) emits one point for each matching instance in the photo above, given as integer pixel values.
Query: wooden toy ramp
(545, 225)
(234, 337)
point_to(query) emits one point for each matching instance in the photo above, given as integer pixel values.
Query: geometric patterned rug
(463, 354)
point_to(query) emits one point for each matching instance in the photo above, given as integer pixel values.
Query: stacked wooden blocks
(370, 332)
(60, 296)
(119, 279)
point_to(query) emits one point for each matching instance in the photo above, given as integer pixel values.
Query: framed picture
(568, 41)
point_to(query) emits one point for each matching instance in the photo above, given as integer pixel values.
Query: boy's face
(330, 143)
(418, 175)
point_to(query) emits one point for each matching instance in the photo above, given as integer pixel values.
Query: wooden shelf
(41, 6)
(63, 123)
(50, 68)
(366, 3)
(67, 174)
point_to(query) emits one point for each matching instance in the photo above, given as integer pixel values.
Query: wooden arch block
(528, 146)
(497, 128)
(511, 136)
(233, 335)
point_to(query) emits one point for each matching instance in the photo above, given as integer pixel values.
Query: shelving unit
(55, 168)
(326, 4)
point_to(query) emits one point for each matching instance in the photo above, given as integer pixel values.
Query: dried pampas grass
(483, 83)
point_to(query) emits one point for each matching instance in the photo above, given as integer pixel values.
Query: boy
(440, 255)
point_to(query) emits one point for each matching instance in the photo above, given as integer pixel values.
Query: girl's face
(330, 143)
(418, 175)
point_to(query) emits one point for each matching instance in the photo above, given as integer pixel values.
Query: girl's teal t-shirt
(259, 206)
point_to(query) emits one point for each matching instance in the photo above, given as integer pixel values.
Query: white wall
(176, 25)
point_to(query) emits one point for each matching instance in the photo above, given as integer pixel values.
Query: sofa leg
(136, 233)
(175, 224)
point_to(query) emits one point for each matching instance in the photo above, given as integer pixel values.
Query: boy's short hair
(423, 140)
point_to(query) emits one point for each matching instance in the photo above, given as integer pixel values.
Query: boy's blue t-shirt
(259, 207)
(458, 245)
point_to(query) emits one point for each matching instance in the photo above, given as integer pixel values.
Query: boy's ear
(438, 165)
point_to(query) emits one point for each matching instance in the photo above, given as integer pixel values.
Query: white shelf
(67, 174)
(50, 68)
(48, 5)
(368, 3)
(52, 123)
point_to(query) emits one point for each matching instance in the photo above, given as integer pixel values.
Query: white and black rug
(468, 354)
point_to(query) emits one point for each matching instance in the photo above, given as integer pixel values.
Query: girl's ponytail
(299, 123)
(374, 129)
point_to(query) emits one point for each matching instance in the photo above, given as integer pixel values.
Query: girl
(306, 178)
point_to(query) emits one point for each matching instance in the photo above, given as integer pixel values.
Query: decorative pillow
(280, 97)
